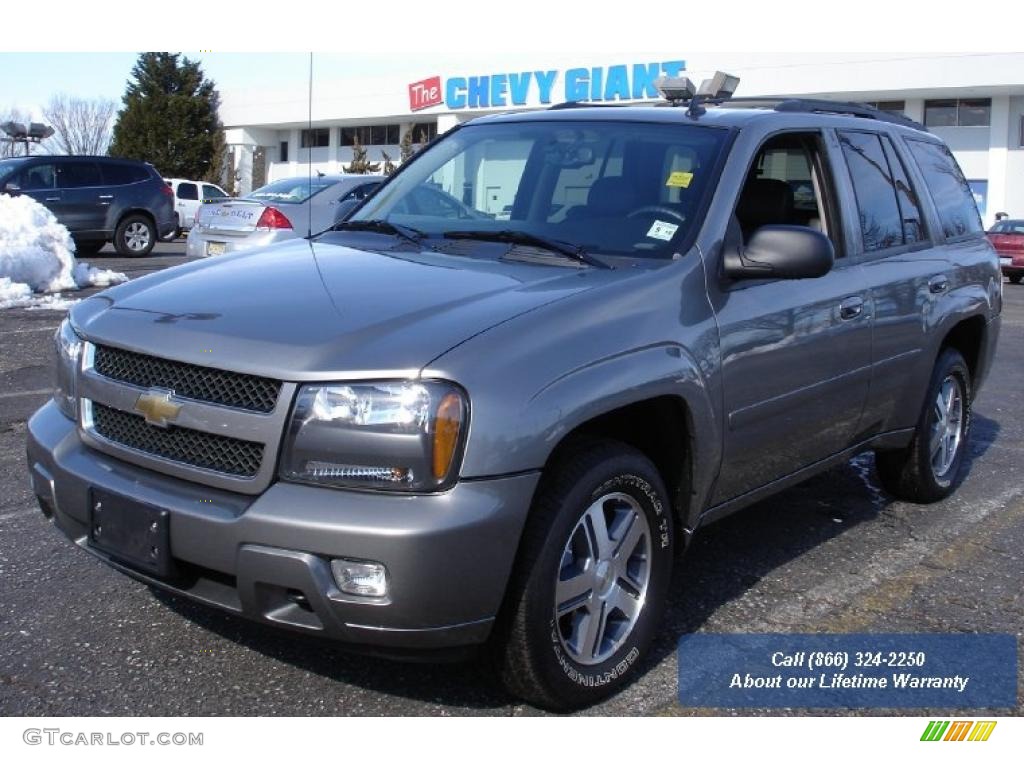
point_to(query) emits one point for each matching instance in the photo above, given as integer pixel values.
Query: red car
(1007, 237)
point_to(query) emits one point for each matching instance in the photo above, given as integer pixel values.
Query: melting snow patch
(37, 258)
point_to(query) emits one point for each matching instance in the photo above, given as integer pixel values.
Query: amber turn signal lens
(447, 424)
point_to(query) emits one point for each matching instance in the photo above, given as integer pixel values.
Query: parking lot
(834, 554)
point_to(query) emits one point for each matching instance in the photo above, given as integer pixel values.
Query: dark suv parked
(431, 430)
(99, 199)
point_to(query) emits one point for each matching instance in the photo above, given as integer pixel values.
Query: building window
(896, 107)
(370, 135)
(957, 112)
(316, 137)
(424, 132)
(283, 153)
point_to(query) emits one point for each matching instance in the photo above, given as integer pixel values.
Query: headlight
(69, 354)
(390, 435)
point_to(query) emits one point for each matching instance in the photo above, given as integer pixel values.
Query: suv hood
(307, 311)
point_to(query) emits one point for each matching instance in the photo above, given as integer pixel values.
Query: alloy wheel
(947, 431)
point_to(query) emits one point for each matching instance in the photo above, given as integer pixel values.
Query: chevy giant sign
(618, 82)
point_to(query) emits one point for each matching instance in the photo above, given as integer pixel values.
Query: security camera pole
(34, 134)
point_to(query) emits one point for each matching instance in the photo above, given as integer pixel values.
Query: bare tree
(80, 126)
(10, 148)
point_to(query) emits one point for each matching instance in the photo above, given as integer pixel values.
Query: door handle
(106, 197)
(851, 308)
(52, 199)
(938, 284)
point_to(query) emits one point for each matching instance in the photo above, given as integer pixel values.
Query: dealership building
(975, 102)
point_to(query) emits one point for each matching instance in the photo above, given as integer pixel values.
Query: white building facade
(975, 102)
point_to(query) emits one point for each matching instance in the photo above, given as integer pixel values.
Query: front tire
(135, 236)
(928, 469)
(591, 579)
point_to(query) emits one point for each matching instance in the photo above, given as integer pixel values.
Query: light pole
(33, 134)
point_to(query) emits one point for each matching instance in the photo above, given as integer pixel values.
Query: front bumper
(267, 557)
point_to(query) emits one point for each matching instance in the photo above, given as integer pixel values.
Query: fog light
(364, 579)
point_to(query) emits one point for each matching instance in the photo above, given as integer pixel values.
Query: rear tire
(928, 469)
(583, 607)
(135, 236)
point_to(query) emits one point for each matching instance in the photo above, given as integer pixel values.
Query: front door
(796, 354)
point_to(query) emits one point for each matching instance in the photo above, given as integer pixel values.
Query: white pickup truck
(189, 195)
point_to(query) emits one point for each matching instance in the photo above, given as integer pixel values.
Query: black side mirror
(11, 188)
(344, 208)
(781, 251)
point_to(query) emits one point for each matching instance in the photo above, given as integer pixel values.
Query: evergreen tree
(360, 163)
(169, 118)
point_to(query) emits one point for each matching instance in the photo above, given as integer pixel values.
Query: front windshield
(296, 190)
(618, 188)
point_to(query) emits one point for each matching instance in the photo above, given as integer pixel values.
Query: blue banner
(955, 671)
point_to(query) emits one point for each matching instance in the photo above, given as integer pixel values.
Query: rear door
(904, 271)
(84, 199)
(796, 354)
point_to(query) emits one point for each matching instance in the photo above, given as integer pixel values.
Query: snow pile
(37, 256)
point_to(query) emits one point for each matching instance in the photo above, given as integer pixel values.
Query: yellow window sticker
(679, 179)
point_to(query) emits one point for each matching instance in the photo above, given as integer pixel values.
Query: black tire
(88, 248)
(1015, 279)
(534, 661)
(909, 473)
(135, 236)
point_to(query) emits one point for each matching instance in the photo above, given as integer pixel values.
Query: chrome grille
(196, 382)
(229, 455)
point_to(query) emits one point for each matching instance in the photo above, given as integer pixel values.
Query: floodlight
(720, 86)
(14, 130)
(39, 131)
(675, 89)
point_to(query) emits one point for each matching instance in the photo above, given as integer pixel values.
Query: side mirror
(781, 251)
(344, 208)
(10, 188)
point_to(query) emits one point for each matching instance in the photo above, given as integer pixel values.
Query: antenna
(309, 134)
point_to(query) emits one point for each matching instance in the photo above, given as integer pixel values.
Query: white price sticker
(662, 230)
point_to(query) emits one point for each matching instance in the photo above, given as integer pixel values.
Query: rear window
(187, 191)
(290, 190)
(958, 213)
(122, 173)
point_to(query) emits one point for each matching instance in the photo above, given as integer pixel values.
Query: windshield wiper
(409, 234)
(526, 238)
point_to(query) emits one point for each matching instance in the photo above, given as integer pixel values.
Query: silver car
(282, 210)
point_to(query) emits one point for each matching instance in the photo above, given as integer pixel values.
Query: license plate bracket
(137, 534)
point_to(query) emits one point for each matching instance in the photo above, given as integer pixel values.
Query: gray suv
(433, 429)
(99, 199)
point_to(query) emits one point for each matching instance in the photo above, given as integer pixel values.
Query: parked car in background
(1007, 237)
(99, 199)
(282, 210)
(189, 195)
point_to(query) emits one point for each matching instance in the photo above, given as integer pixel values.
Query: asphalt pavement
(835, 554)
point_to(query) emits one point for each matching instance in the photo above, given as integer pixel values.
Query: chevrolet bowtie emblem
(158, 406)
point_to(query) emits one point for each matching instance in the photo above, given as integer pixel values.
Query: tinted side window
(72, 175)
(948, 188)
(880, 222)
(910, 208)
(187, 191)
(212, 193)
(38, 177)
(119, 173)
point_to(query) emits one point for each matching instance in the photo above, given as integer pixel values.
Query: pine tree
(406, 148)
(169, 118)
(360, 163)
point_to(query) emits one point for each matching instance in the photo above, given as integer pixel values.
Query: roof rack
(826, 106)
